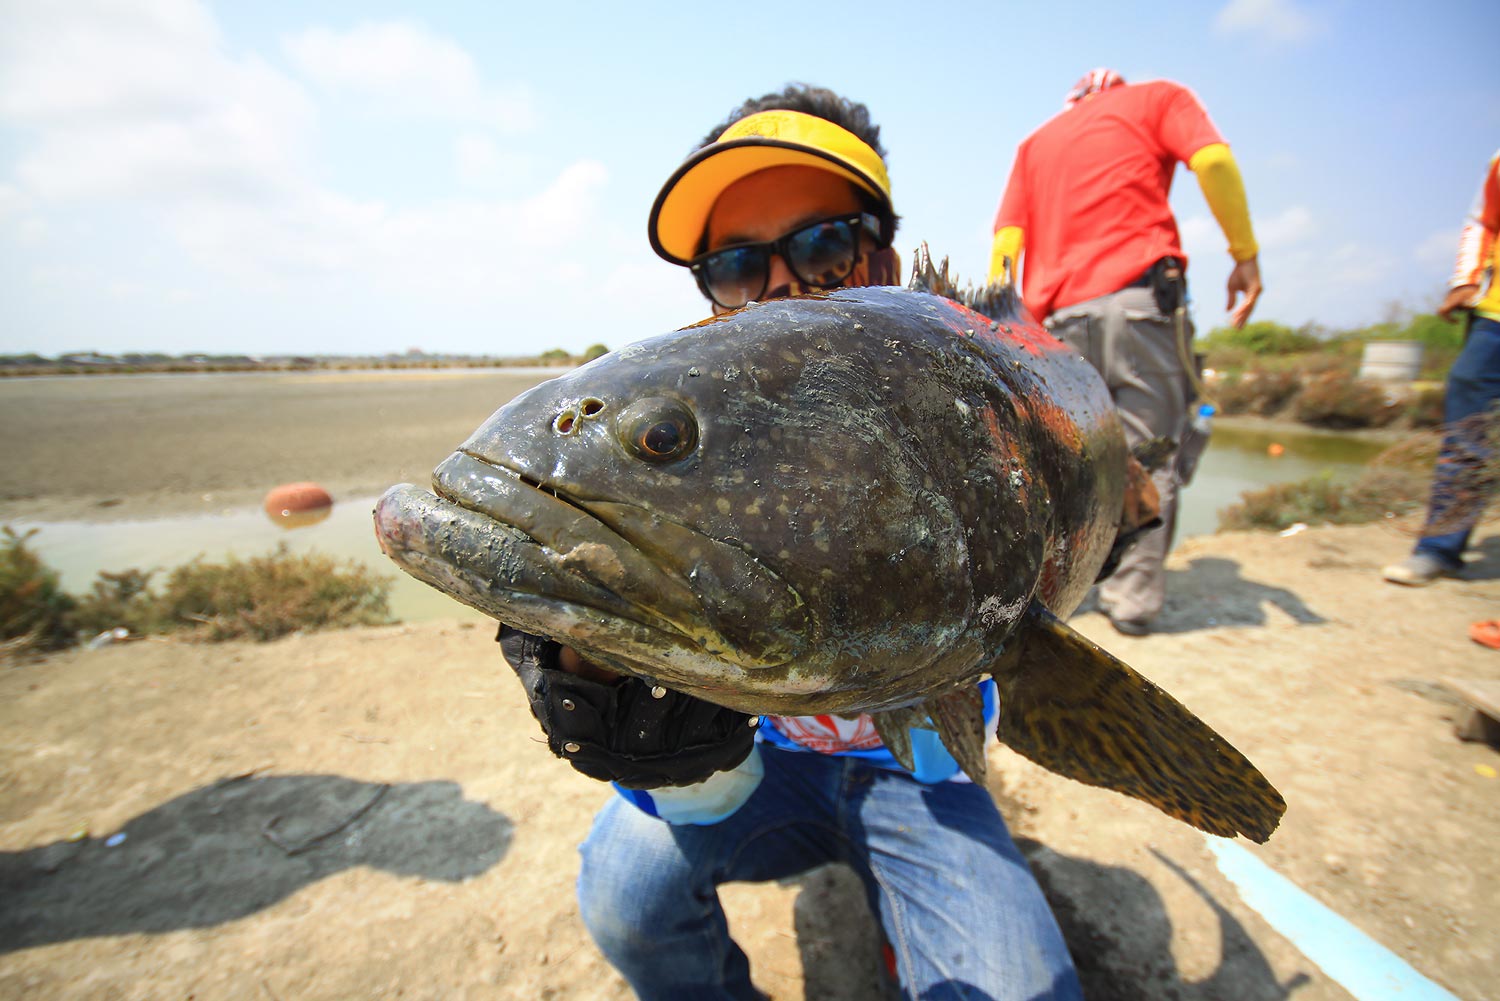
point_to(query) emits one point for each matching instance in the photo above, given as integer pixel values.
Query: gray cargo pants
(1125, 336)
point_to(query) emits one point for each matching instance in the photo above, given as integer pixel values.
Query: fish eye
(658, 429)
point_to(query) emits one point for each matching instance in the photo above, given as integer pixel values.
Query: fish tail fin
(1070, 706)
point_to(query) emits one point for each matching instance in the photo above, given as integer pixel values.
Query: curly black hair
(819, 101)
(852, 116)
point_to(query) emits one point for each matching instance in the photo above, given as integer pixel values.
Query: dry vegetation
(260, 598)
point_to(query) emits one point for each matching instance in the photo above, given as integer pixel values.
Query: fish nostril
(565, 422)
(591, 407)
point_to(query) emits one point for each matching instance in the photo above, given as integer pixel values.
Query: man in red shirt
(1086, 212)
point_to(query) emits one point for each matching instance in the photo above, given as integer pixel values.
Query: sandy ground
(369, 813)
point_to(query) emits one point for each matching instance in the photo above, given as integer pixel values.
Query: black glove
(619, 731)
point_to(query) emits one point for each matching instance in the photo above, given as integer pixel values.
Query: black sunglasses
(821, 254)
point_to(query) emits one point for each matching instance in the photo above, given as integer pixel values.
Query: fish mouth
(614, 578)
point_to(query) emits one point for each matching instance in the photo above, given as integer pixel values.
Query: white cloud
(480, 162)
(1439, 248)
(1287, 228)
(1272, 20)
(159, 111)
(1202, 238)
(1199, 233)
(211, 155)
(12, 202)
(476, 157)
(406, 68)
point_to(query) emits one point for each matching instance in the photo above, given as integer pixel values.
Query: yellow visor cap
(754, 143)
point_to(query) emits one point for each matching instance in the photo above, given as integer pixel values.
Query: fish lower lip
(575, 542)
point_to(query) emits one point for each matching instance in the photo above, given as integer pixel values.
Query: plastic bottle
(1194, 440)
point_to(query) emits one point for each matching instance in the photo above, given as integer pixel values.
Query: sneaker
(1130, 627)
(1417, 570)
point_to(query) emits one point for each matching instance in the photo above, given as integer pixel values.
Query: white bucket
(1391, 361)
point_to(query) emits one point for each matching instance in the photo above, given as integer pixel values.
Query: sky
(287, 176)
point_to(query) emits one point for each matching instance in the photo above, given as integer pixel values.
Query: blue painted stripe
(1360, 965)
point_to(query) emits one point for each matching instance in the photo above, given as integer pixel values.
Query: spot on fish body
(723, 505)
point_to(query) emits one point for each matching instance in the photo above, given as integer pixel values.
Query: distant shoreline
(525, 366)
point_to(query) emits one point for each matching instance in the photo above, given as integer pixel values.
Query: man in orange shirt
(1086, 212)
(1473, 388)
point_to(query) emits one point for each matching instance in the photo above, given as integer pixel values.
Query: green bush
(1263, 337)
(1261, 391)
(1337, 400)
(1425, 407)
(261, 598)
(265, 597)
(1320, 500)
(121, 599)
(1428, 329)
(35, 612)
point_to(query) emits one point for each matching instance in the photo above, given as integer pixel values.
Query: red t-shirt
(1089, 190)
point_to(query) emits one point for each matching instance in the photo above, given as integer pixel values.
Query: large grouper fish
(860, 501)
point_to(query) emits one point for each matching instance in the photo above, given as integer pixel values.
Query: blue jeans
(1473, 385)
(956, 899)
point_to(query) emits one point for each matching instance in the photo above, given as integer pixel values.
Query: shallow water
(1236, 461)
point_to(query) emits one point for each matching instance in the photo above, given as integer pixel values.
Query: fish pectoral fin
(1154, 453)
(1073, 708)
(894, 727)
(959, 718)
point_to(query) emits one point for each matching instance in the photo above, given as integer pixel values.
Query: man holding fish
(790, 195)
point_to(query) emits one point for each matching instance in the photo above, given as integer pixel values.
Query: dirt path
(369, 813)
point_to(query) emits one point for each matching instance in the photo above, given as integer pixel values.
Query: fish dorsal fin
(1070, 706)
(998, 301)
(927, 278)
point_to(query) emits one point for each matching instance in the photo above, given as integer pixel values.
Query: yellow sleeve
(1008, 243)
(1219, 177)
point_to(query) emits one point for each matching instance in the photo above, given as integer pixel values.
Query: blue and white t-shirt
(722, 794)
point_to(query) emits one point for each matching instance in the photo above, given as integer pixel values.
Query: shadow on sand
(1223, 598)
(1123, 952)
(1487, 564)
(227, 850)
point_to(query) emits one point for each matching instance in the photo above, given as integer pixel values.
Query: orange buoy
(1275, 449)
(293, 505)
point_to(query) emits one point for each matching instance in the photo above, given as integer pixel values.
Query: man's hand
(1458, 297)
(616, 727)
(569, 660)
(1245, 278)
